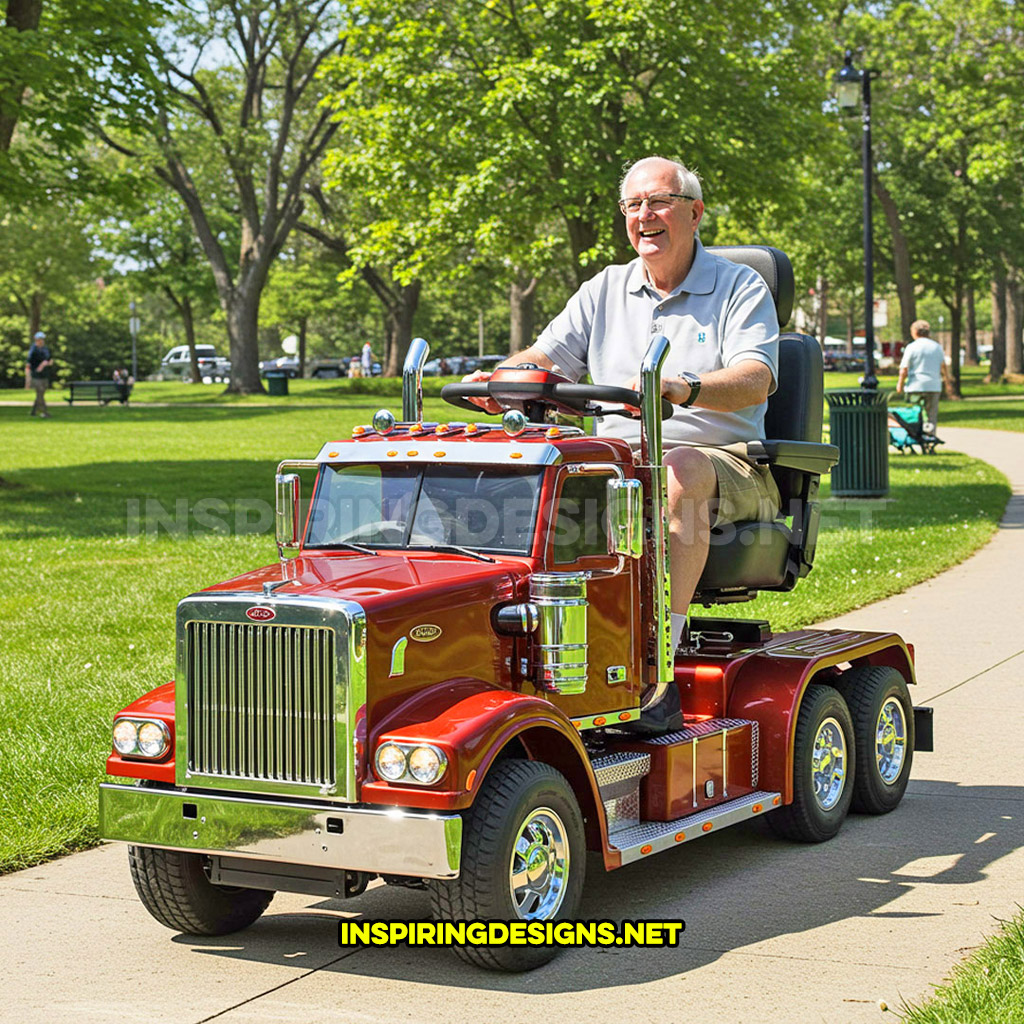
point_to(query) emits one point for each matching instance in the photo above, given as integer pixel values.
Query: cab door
(578, 542)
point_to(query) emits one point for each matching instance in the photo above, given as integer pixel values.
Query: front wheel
(883, 727)
(174, 888)
(523, 859)
(823, 769)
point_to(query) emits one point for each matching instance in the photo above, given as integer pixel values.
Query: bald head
(687, 182)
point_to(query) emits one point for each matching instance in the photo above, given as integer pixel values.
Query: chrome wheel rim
(828, 764)
(890, 741)
(539, 868)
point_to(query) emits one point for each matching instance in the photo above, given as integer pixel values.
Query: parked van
(177, 362)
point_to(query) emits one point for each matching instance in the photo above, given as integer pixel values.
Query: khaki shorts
(746, 492)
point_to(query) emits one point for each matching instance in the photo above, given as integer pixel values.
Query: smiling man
(720, 319)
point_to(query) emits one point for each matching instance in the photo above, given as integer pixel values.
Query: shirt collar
(699, 281)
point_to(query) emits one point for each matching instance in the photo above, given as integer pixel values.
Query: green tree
(240, 127)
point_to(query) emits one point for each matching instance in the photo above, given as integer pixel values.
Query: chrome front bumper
(394, 841)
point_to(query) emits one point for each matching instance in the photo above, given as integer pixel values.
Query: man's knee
(692, 488)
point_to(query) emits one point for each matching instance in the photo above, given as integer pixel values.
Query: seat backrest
(772, 264)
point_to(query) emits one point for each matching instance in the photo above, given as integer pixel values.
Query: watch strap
(694, 381)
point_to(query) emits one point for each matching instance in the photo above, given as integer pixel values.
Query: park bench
(101, 391)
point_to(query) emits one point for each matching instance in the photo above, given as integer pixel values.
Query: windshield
(403, 506)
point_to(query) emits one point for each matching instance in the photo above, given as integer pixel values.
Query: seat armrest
(805, 456)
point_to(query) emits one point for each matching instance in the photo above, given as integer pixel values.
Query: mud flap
(923, 739)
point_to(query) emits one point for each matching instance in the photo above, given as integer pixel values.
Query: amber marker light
(706, 827)
(470, 779)
(358, 431)
(553, 432)
(440, 455)
(646, 849)
(332, 455)
(776, 801)
(392, 454)
(757, 808)
(600, 720)
(516, 455)
(624, 716)
(472, 428)
(413, 452)
(680, 836)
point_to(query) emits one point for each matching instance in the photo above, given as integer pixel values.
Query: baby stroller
(906, 429)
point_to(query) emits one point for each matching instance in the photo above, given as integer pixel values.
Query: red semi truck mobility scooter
(440, 681)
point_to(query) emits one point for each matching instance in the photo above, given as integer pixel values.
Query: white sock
(678, 625)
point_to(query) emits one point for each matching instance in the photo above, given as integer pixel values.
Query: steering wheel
(532, 390)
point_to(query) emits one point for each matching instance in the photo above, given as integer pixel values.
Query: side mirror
(625, 518)
(286, 518)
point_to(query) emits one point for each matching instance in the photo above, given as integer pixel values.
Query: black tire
(816, 815)
(883, 764)
(174, 888)
(514, 794)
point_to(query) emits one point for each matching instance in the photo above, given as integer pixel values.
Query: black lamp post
(854, 89)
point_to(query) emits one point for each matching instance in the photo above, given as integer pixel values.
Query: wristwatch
(694, 381)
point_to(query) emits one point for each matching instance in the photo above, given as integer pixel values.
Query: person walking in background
(37, 373)
(923, 371)
(367, 360)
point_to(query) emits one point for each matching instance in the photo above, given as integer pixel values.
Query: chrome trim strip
(269, 709)
(633, 843)
(391, 841)
(457, 450)
(605, 719)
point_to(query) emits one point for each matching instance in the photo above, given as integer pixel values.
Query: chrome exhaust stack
(412, 381)
(650, 460)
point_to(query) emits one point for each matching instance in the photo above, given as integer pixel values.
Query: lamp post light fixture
(853, 89)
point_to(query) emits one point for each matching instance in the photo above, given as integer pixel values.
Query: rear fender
(770, 685)
(474, 723)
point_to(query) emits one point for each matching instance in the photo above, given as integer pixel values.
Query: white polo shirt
(923, 360)
(720, 315)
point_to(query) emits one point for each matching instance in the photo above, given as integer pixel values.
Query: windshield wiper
(346, 546)
(455, 549)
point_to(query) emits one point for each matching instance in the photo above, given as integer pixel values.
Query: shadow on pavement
(734, 889)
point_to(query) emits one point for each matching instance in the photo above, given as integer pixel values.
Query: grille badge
(260, 614)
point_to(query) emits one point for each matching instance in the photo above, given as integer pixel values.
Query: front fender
(158, 703)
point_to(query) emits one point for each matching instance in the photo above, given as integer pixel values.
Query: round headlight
(391, 763)
(126, 736)
(426, 764)
(152, 739)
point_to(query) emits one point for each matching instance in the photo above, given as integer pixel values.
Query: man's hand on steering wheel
(488, 405)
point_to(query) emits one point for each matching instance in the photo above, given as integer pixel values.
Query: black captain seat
(751, 556)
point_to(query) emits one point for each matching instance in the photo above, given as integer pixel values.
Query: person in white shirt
(924, 373)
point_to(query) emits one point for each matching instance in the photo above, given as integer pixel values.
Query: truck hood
(380, 582)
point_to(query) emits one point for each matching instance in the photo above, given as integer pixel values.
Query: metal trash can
(858, 426)
(277, 383)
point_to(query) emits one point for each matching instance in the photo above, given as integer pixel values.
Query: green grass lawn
(988, 988)
(87, 609)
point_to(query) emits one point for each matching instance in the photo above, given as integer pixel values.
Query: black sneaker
(664, 717)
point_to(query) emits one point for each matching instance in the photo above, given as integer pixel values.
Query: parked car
(330, 369)
(289, 365)
(177, 363)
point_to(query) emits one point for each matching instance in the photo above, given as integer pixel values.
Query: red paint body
(465, 691)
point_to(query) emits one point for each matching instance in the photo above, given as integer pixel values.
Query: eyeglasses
(656, 203)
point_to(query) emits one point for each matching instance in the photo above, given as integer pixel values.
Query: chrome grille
(261, 701)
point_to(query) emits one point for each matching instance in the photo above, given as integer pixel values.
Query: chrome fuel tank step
(618, 778)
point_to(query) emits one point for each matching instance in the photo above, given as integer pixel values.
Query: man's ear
(698, 213)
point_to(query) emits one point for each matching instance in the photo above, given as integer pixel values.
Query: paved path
(775, 932)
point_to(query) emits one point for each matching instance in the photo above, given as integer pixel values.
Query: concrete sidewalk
(774, 931)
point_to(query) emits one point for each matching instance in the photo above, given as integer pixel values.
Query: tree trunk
(900, 260)
(849, 332)
(188, 320)
(521, 304)
(35, 314)
(582, 238)
(398, 318)
(21, 16)
(243, 310)
(997, 366)
(956, 319)
(971, 341)
(1014, 323)
(303, 327)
